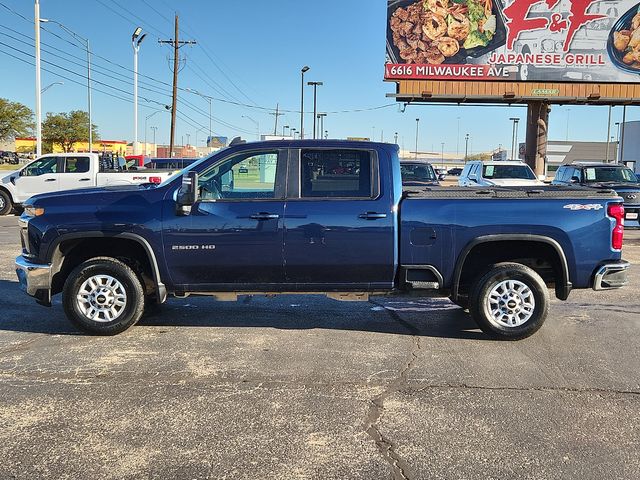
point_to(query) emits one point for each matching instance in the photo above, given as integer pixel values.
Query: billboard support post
(536, 144)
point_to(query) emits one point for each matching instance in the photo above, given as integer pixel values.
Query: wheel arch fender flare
(153, 261)
(564, 285)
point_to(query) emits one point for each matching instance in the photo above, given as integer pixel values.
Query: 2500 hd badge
(193, 247)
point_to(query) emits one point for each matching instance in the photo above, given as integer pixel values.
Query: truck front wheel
(5, 203)
(103, 296)
(510, 301)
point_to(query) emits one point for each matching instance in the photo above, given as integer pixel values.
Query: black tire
(129, 313)
(537, 301)
(5, 203)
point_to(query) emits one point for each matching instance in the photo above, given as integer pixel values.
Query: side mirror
(575, 180)
(441, 177)
(187, 194)
(542, 178)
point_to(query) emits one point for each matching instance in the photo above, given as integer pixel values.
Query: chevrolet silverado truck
(66, 171)
(317, 217)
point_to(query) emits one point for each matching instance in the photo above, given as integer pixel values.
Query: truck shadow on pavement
(422, 317)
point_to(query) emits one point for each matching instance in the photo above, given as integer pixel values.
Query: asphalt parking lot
(305, 387)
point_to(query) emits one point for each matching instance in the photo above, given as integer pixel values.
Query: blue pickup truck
(321, 217)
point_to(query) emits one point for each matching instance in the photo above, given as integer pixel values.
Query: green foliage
(16, 120)
(65, 129)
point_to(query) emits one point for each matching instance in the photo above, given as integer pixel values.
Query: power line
(188, 103)
(187, 119)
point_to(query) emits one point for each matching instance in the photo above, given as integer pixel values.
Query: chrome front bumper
(35, 280)
(611, 275)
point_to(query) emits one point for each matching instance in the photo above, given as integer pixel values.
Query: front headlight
(33, 211)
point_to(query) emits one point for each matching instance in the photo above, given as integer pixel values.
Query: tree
(16, 120)
(66, 129)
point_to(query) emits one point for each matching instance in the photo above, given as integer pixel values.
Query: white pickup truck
(68, 171)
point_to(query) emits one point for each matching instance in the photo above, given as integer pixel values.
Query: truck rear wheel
(509, 302)
(5, 203)
(103, 296)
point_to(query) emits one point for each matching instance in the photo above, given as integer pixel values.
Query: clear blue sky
(248, 52)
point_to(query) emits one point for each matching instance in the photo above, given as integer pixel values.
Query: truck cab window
(42, 166)
(76, 165)
(248, 176)
(336, 173)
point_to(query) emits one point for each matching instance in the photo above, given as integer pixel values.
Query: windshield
(610, 174)
(417, 173)
(508, 171)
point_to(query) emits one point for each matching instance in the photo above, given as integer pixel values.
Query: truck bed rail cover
(509, 192)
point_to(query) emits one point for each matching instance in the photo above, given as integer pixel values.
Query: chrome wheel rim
(511, 304)
(101, 298)
(2, 204)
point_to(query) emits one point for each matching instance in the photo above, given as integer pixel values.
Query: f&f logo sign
(518, 20)
(577, 207)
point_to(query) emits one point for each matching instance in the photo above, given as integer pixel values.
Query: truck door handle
(50, 180)
(372, 216)
(85, 179)
(265, 216)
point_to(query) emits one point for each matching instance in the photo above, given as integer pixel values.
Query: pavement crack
(464, 386)
(399, 467)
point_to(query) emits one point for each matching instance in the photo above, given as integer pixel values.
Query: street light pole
(417, 129)
(442, 157)
(304, 70)
(154, 139)
(38, 82)
(395, 138)
(208, 99)
(514, 136)
(136, 40)
(86, 44)
(321, 120)
(51, 85)
(466, 147)
(145, 129)
(315, 86)
(608, 133)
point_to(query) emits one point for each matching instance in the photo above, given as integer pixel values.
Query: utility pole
(176, 63)
(277, 114)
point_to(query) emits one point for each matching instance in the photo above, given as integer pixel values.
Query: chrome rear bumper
(611, 275)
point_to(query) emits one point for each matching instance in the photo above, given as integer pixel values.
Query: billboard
(548, 41)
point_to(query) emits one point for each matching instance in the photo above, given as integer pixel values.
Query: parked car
(322, 216)
(455, 172)
(66, 171)
(441, 173)
(418, 174)
(606, 175)
(499, 174)
(9, 157)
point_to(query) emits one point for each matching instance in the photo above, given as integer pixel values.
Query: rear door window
(337, 174)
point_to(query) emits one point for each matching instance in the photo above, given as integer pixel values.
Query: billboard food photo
(514, 40)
